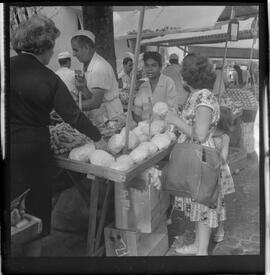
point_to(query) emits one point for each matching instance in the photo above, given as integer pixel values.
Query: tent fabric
(167, 18)
(244, 26)
(240, 11)
(240, 44)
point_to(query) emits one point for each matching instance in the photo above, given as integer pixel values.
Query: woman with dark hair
(158, 87)
(197, 124)
(35, 91)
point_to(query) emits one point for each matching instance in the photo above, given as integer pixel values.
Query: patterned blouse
(200, 98)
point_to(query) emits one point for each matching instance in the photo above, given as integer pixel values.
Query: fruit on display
(101, 158)
(160, 109)
(143, 138)
(139, 154)
(138, 131)
(171, 135)
(150, 147)
(162, 141)
(144, 126)
(157, 127)
(122, 163)
(116, 143)
(125, 158)
(133, 140)
(82, 153)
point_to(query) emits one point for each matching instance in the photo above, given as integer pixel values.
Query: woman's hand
(172, 118)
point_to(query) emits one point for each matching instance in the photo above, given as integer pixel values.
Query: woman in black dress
(35, 91)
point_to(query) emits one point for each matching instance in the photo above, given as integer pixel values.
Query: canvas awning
(200, 37)
(167, 18)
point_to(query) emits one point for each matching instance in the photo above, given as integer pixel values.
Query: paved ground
(242, 226)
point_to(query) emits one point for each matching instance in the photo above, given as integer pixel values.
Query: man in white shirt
(66, 74)
(101, 95)
(124, 78)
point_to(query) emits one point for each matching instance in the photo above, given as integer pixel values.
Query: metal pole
(251, 54)
(133, 79)
(224, 59)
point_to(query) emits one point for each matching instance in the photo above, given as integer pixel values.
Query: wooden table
(97, 175)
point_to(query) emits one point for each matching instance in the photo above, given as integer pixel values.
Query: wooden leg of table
(92, 217)
(80, 188)
(103, 215)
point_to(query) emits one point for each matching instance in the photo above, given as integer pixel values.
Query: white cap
(86, 33)
(63, 55)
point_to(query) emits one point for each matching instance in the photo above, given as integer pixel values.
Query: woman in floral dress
(201, 113)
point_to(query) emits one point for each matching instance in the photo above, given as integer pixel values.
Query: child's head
(225, 123)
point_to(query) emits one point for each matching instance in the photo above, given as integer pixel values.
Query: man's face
(128, 67)
(152, 68)
(83, 53)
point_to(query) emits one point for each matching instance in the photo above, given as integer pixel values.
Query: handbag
(193, 171)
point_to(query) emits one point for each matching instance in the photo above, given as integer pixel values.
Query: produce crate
(28, 232)
(139, 210)
(134, 243)
(248, 136)
(244, 95)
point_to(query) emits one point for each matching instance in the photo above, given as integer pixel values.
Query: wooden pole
(251, 54)
(224, 59)
(133, 79)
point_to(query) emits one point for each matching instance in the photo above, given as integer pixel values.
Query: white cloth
(126, 80)
(165, 91)
(68, 77)
(100, 74)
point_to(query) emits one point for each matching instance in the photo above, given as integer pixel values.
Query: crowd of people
(189, 90)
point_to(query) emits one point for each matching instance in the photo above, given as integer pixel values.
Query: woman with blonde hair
(35, 91)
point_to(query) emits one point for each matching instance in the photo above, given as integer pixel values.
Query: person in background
(238, 70)
(34, 92)
(100, 88)
(66, 74)
(219, 86)
(173, 70)
(124, 78)
(157, 87)
(198, 120)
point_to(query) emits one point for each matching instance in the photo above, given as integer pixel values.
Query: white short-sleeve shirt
(68, 77)
(100, 74)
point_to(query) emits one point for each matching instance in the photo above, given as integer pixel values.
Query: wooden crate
(28, 232)
(134, 243)
(139, 210)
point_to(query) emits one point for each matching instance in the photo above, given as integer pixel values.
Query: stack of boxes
(140, 227)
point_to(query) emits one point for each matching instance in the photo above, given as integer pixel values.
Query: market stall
(242, 101)
(126, 161)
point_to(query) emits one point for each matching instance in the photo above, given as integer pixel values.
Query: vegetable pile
(64, 138)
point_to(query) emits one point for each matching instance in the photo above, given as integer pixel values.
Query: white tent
(185, 38)
(167, 17)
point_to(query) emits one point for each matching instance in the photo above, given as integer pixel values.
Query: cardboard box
(27, 232)
(134, 243)
(139, 210)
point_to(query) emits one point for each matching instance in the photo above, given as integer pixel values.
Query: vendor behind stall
(124, 77)
(34, 91)
(158, 87)
(66, 74)
(100, 89)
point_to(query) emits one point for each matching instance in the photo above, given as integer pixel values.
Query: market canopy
(201, 37)
(167, 18)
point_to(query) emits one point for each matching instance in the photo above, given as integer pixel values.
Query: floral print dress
(196, 211)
